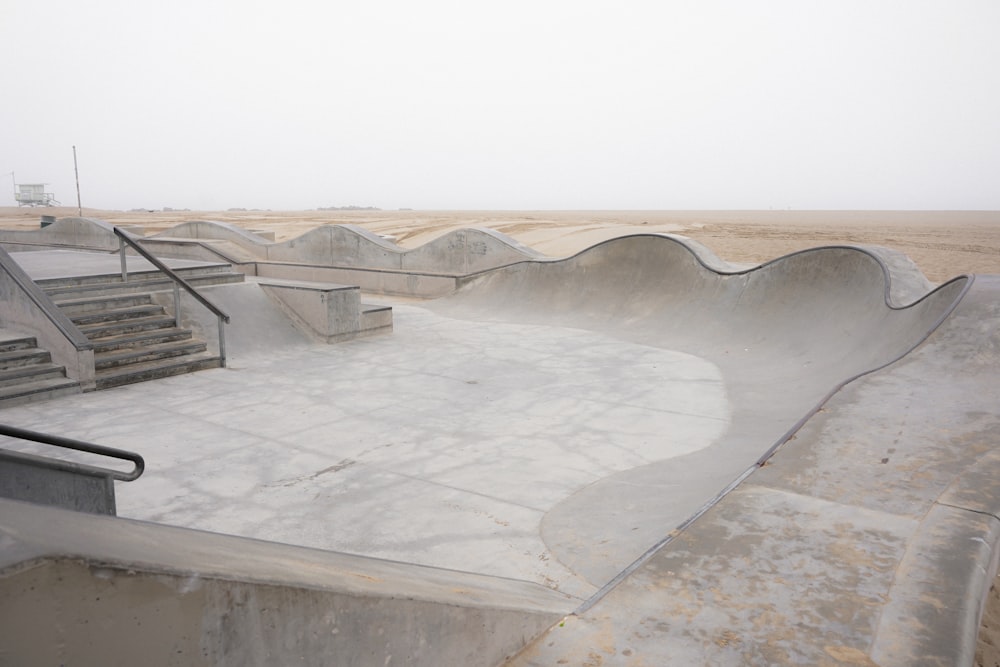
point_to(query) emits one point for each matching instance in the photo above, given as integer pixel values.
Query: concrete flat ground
(444, 443)
(584, 424)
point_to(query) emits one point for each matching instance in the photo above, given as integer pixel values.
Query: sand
(988, 644)
(944, 244)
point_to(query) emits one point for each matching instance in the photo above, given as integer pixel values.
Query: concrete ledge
(87, 589)
(27, 308)
(306, 285)
(935, 603)
(48, 481)
(329, 311)
(399, 283)
(376, 318)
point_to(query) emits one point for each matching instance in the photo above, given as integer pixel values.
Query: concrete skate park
(471, 454)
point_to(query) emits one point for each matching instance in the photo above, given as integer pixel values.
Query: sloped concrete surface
(870, 538)
(125, 592)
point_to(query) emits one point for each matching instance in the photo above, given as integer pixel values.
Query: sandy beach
(944, 244)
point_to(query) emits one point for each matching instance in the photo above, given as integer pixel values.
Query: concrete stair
(27, 373)
(138, 281)
(134, 337)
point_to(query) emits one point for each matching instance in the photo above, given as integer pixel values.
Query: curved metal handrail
(80, 446)
(124, 239)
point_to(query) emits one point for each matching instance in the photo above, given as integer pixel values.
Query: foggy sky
(541, 104)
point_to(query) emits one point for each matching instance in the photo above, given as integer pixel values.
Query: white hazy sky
(521, 104)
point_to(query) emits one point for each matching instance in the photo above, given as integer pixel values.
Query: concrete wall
(338, 245)
(348, 246)
(220, 231)
(28, 309)
(85, 589)
(35, 479)
(204, 251)
(467, 251)
(421, 285)
(70, 232)
(382, 281)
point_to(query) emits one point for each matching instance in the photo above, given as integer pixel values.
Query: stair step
(117, 314)
(23, 357)
(148, 337)
(148, 273)
(375, 318)
(89, 304)
(108, 329)
(27, 392)
(32, 373)
(99, 285)
(10, 341)
(106, 288)
(145, 353)
(115, 377)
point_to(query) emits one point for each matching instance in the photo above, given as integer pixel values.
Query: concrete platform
(789, 465)
(43, 264)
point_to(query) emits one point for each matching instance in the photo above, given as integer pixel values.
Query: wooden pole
(79, 208)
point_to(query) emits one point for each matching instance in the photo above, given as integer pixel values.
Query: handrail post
(222, 342)
(121, 252)
(177, 305)
(178, 283)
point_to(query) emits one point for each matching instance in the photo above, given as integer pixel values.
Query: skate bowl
(849, 339)
(840, 506)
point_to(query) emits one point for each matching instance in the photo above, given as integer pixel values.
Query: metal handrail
(80, 446)
(123, 238)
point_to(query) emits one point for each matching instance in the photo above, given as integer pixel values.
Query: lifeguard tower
(34, 194)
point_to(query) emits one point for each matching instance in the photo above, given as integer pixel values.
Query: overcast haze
(874, 104)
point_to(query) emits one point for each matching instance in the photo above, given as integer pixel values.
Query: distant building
(34, 194)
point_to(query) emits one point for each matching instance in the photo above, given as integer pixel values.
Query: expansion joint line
(967, 509)
(637, 563)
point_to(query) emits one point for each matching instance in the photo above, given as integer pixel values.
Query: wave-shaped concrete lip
(457, 252)
(852, 308)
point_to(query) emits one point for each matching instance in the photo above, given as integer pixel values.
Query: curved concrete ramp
(784, 336)
(844, 302)
(863, 527)
(215, 231)
(870, 539)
